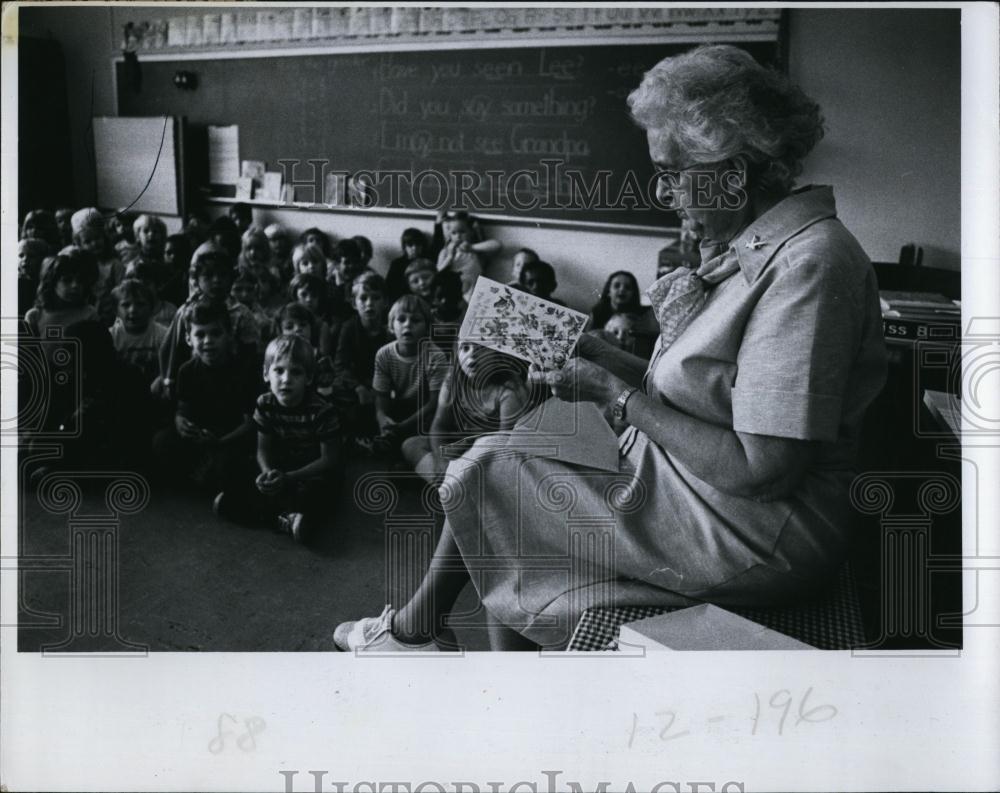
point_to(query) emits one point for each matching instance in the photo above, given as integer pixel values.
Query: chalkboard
(503, 117)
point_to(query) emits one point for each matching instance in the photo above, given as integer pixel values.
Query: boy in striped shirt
(298, 447)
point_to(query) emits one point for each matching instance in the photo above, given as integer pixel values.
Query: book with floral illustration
(519, 324)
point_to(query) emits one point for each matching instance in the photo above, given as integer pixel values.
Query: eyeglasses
(672, 176)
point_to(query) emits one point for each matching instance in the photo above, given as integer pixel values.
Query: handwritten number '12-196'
(783, 700)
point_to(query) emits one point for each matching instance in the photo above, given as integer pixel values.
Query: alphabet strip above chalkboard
(367, 25)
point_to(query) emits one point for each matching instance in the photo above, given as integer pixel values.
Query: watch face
(618, 411)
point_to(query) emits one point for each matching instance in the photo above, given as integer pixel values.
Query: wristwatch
(618, 409)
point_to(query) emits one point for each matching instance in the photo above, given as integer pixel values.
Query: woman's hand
(593, 347)
(580, 381)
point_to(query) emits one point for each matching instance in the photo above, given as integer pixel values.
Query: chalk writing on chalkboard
(540, 133)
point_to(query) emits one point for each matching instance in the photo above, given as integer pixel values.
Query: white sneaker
(291, 523)
(374, 634)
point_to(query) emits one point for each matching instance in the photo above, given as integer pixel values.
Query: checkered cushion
(832, 622)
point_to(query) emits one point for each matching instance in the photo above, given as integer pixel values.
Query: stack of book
(920, 316)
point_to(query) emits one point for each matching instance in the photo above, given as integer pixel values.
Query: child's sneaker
(291, 523)
(219, 505)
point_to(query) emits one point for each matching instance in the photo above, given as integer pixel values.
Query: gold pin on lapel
(755, 242)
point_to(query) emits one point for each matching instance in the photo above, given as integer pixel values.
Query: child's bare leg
(414, 451)
(427, 468)
(420, 619)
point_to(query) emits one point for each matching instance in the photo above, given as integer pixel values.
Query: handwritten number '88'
(246, 741)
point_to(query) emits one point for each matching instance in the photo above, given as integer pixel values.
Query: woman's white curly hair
(716, 102)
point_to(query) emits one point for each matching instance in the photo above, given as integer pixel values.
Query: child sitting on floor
(39, 224)
(246, 289)
(361, 337)
(89, 235)
(216, 390)
(118, 227)
(298, 448)
(150, 274)
(64, 292)
(348, 264)
(539, 279)
(64, 225)
(484, 391)
(212, 270)
(621, 296)
(449, 308)
(367, 251)
(150, 237)
(620, 331)
(176, 265)
(30, 255)
(310, 291)
(296, 319)
(281, 250)
(255, 254)
(479, 243)
(419, 276)
(309, 260)
(521, 258)
(407, 375)
(196, 227)
(137, 338)
(224, 234)
(458, 253)
(319, 239)
(414, 246)
(242, 216)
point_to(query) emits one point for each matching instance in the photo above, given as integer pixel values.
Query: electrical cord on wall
(149, 181)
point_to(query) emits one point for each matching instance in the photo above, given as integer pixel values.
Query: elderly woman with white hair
(735, 468)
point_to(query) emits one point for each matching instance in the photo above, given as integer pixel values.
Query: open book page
(571, 432)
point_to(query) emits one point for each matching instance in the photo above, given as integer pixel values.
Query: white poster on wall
(223, 154)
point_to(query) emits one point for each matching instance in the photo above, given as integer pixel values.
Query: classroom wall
(889, 85)
(85, 36)
(888, 81)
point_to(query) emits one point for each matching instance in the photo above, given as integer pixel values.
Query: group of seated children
(251, 359)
